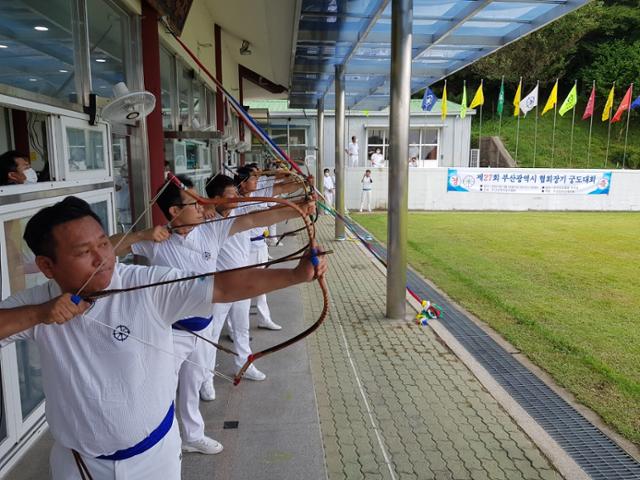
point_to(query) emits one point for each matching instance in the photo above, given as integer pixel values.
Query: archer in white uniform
(108, 373)
(353, 151)
(195, 248)
(365, 199)
(247, 180)
(329, 187)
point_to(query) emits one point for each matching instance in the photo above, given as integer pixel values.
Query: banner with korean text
(537, 182)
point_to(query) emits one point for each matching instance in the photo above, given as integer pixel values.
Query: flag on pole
(478, 98)
(552, 100)
(635, 103)
(529, 102)
(588, 112)
(428, 100)
(516, 100)
(443, 109)
(624, 105)
(606, 113)
(463, 104)
(569, 102)
(501, 98)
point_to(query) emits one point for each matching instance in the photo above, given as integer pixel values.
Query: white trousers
(190, 379)
(238, 313)
(353, 160)
(260, 255)
(329, 197)
(365, 199)
(163, 460)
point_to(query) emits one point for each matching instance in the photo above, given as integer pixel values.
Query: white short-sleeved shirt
(328, 183)
(366, 183)
(196, 252)
(265, 181)
(377, 160)
(235, 251)
(105, 390)
(353, 149)
(256, 232)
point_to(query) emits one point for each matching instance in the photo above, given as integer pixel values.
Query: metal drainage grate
(592, 450)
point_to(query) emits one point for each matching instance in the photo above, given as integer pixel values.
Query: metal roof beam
(467, 13)
(362, 34)
(463, 40)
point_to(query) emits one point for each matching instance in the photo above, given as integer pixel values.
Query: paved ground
(362, 398)
(433, 418)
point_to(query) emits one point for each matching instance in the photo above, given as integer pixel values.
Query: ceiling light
(40, 28)
(33, 79)
(62, 70)
(3, 46)
(101, 60)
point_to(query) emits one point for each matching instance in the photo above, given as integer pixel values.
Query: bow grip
(314, 257)
(76, 299)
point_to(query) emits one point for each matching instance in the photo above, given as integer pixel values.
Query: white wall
(428, 191)
(455, 135)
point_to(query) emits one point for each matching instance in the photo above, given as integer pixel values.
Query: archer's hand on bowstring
(308, 206)
(122, 242)
(209, 212)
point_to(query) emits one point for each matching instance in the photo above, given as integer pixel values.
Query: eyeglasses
(192, 204)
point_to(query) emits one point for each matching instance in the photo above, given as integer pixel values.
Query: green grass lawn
(563, 157)
(563, 288)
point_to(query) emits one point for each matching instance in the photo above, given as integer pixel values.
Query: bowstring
(152, 345)
(146, 210)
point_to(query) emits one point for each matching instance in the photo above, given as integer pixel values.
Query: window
(184, 95)
(377, 139)
(423, 144)
(167, 85)
(85, 149)
(198, 107)
(211, 107)
(108, 38)
(122, 181)
(38, 47)
(293, 139)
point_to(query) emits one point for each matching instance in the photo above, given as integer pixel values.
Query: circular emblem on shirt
(206, 255)
(121, 333)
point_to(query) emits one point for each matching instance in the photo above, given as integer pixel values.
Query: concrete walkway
(363, 397)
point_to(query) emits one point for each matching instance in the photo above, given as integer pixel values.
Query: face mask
(32, 176)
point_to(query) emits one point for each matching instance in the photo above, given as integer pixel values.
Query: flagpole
(480, 126)
(500, 121)
(535, 131)
(553, 131)
(573, 123)
(626, 134)
(606, 155)
(590, 129)
(518, 124)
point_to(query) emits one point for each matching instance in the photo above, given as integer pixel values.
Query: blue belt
(141, 447)
(193, 324)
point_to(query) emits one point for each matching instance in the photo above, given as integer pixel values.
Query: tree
(544, 55)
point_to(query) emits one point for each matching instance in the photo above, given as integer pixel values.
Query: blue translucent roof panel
(448, 35)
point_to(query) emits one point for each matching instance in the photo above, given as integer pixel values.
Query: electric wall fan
(128, 106)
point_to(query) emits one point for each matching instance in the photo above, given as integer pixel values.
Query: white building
(433, 142)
